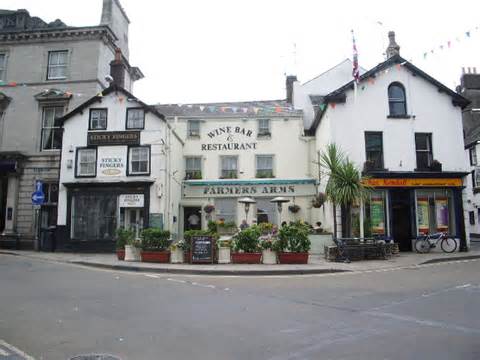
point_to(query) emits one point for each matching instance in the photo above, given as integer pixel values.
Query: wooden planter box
(187, 257)
(246, 258)
(293, 258)
(155, 256)
(120, 254)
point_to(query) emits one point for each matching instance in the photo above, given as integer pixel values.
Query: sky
(196, 51)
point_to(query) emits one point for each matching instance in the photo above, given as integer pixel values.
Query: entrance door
(134, 220)
(3, 202)
(192, 218)
(400, 200)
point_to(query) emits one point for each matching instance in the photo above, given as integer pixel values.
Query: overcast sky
(231, 50)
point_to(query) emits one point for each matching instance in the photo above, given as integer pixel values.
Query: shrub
(247, 240)
(294, 237)
(124, 237)
(155, 239)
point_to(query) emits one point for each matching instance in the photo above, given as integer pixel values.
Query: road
(56, 311)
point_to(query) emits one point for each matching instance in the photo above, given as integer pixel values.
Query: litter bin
(47, 239)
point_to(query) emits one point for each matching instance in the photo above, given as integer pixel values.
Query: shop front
(204, 200)
(404, 208)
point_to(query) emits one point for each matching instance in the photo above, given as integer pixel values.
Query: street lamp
(279, 200)
(246, 201)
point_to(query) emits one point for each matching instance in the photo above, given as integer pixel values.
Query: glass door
(132, 218)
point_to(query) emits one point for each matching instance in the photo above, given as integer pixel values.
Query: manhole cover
(95, 357)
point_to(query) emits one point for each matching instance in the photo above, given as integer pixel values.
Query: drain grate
(95, 357)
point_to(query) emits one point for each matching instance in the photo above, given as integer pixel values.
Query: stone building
(47, 69)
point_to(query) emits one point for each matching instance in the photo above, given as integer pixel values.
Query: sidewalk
(316, 265)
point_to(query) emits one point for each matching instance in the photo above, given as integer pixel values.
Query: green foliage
(266, 228)
(247, 239)
(225, 243)
(124, 237)
(227, 225)
(155, 239)
(212, 226)
(180, 244)
(294, 237)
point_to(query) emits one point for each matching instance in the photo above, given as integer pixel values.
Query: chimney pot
(118, 69)
(393, 48)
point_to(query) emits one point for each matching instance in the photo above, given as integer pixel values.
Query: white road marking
(176, 280)
(15, 350)
(152, 276)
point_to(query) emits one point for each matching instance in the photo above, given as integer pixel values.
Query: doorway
(3, 201)
(132, 218)
(192, 218)
(401, 200)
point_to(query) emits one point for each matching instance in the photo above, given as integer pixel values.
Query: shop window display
(434, 211)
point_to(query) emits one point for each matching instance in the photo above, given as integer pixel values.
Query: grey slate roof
(20, 20)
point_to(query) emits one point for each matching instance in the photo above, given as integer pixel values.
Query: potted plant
(246, 247)
(155, 242)
(177, 251)
(224, 246)
(209, 208)
(319, 200)
(226, 228)
(294, 208)
(294, 243)
(267, 242)
(123, 236)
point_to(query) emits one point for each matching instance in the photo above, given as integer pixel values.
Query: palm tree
(345, 184)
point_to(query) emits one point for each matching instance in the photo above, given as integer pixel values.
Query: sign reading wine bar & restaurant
(233, 137)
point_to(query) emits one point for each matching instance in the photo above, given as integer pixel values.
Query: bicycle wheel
(422, 246)
(448, 244)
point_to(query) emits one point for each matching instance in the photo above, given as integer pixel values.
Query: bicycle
(424, 243)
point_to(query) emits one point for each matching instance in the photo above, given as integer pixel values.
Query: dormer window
(98, 119)
(397, 100)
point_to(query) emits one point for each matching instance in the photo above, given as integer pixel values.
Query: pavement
(317, 264)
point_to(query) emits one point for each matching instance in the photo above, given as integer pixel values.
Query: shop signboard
(441, 211)
(131, 200)
(225, 138)
(450, 182)
(202, 249)
(95, 138)
(423, 215)
(111, 161)
(377, 215)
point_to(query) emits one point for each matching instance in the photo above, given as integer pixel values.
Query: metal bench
(349, 249)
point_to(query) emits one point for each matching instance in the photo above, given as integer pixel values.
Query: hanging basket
(319, 200)
(294, 208)
(209, 208)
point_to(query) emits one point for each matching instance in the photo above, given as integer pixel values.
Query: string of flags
(239, 109)
(448, 44)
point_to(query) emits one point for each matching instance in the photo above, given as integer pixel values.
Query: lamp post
(279, 200)
(246, 201)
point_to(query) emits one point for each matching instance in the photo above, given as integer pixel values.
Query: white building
(118, 168)
(397, 122)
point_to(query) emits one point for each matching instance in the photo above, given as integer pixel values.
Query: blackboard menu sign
(202, 249)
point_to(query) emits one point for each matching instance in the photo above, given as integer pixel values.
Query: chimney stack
(393, 48)
(117, 69)
(289, 82)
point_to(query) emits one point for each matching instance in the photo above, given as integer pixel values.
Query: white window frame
(264, 130)
(224, 157)
(131, 151)
(193, 133)
(98, 118)
(135, 120)
(84, 162)
(257, 169)
(476, 177)
(52, 128)
(3, 65)
(187, 170)
(473, 156)
(51, 66)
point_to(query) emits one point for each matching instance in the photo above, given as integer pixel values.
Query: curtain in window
(263, 126)
(135, 118)
(264, 166)
(51, 134)
(229, 166)
(226, 209)
(139, 160)
(57, 64)
(193, 128)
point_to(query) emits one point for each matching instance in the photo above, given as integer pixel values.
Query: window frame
(221, 166)
(3, 67)
(77, 167)
(382, 158)
(186, 170)
(189, 134)
(391, 101)
(472, 153)
(90, 119)
(257, 169)
(129, 154)
(126, 119)
(429, 151)
(263, 133)
(66, 65)
(52, 128)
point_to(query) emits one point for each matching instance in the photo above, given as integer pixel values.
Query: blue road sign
(38, 197)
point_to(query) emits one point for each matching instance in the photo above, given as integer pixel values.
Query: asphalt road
(56, 311)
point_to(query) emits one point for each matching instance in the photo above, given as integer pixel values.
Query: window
(264, 127)
(57, 65)
(51, 131)
(86, 162)
(193, 128)
(139, 160)
(3, 66)
(471, 217)
(476, 177)
(266, 211)
(98, 119)
(51, 193)
(434, 211)
(396, 100)
(264, 166)
(226, 209)
(229, 167)
(473, 155)
(374, 150)
(193, 167)
(135, 118)
(423, 146)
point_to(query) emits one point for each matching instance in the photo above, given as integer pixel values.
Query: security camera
(109, 78)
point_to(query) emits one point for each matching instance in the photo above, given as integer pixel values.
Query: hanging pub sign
(113, 138)
(202, 249)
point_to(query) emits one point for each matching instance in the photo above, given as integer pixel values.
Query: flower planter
(187, 257)
(226, 231)
(224, 255)
(120, 254)
(246, 258)
(293, 258)
(156, 256)
(269, 257)
(132, 253)
(176, 256)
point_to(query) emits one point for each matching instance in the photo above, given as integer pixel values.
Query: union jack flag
(355, 71)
